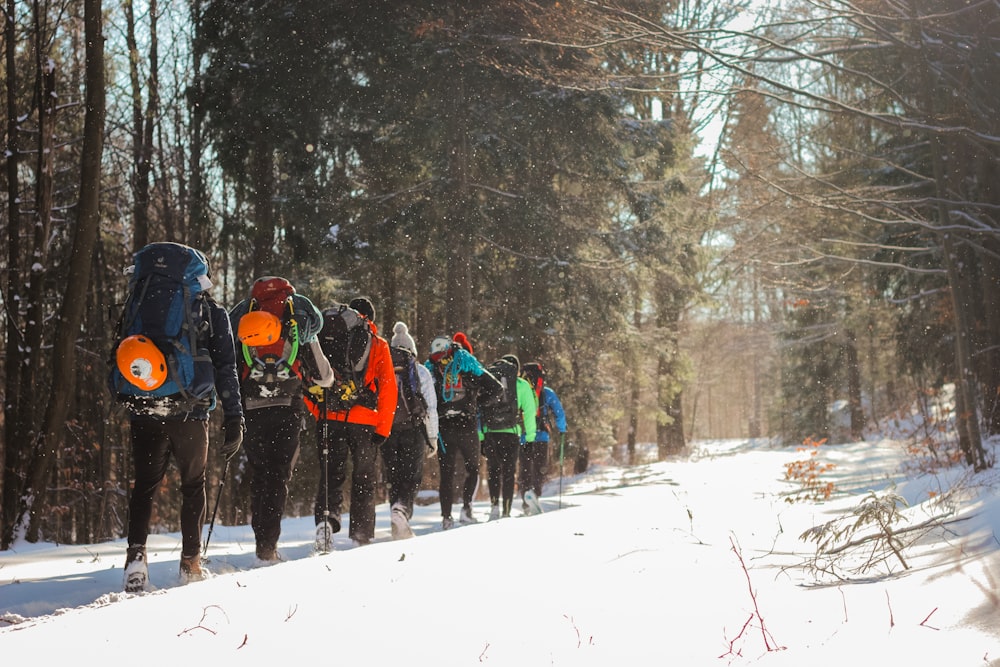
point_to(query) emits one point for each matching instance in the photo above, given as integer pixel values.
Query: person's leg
(362, 526)
(150, 457)
(540, 459)
(507, 446)
(329, 497)
(189, 444)
(390, 452)
(493, 467)
(271, 445)
(525, 471)
(410, 468)
(469, 446)
(446, 460)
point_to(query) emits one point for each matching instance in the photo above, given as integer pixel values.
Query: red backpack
(278, 361)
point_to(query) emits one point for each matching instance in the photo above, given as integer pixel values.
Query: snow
(686, 562)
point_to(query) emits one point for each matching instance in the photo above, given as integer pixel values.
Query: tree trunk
(35, 319)
(635, 392)
(670, 436)
(142, 125)
(193, 197)
(459, 224)
(854, 386)
(74, 301)
(10, 449)
(263, 196)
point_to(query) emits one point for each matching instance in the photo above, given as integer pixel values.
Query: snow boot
(136, 571)
(531, 501)
(191, 569)
(400, 522)
(465, 516)
(447, 522)
(494, 511)
(267, 554)
(324, 537)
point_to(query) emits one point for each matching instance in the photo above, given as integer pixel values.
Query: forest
(707, 218)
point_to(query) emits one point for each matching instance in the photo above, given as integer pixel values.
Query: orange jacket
(381, 379)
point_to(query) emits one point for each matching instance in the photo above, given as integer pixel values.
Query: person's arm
(308, 317)
(555, 405)
(430, 399)
(320, 370)
(222, 348)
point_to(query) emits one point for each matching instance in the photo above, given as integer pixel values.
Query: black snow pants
(500, 450)
(272, 447)
(153, 443)
(354, 441)
(458, 436)
(403, 455)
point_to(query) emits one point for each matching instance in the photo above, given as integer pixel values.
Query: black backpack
(411, 408)
(502, 412)
(346, 341)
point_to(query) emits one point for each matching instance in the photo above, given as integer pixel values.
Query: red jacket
(381, 379)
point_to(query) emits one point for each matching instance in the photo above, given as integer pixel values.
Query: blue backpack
(166, 305)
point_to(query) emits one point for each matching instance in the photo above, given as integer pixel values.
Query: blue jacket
(549, 408)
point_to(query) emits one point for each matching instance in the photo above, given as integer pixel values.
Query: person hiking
(169, 377)
(534, 452)
(279, 357)
(505, 422)
(354, 418)
(460, 381)
(414, 432)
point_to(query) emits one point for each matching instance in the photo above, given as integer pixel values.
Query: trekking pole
(325, 449)
(215, 510)
(562, 448)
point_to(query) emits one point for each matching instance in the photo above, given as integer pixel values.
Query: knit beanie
(364, 306)
(460, 339)
(401, 338)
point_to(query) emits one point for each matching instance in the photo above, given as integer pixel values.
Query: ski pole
(215, 510)
(325, 449)
(562, 448)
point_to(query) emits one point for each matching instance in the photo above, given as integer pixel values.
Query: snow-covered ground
(688, 562)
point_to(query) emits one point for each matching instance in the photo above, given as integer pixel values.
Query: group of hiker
(276, 355)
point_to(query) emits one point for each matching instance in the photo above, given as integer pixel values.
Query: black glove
(377, 439)
(233, 428)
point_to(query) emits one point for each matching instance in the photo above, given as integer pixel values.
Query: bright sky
(693, 562)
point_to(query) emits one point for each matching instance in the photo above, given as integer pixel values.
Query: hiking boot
(267, 554)
(494, 511)
(324, 537)
(531, 502)
(447, 522)
(136, 571)
(191, 568)
(465, 516)
(400, 523)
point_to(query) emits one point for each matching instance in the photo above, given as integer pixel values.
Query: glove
(233, 428)
(432, 446)
(377, 439)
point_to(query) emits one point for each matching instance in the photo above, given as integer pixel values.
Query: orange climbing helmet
(141, 362)
(258, 328)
